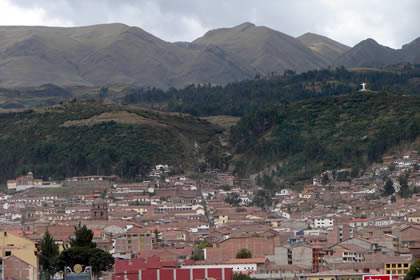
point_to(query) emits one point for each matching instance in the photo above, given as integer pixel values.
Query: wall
(259, 247)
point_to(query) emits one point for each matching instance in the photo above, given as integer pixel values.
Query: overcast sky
(390, 22)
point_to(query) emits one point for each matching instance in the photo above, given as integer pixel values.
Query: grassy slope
(79, 138)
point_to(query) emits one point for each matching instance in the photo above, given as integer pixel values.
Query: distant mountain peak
(244, 26)
(327, 48)
(369, 41)
(415, 42)
(369, 53)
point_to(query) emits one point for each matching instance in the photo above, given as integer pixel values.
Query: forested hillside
(309, 137)
(236, 98)
(92, 137)
(300, 124)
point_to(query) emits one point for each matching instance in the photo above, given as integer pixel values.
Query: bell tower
(99, 210)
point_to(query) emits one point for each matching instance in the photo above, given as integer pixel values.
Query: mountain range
(123, 55)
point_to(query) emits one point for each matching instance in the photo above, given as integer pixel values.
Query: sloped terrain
(91, 137)
(328, 49)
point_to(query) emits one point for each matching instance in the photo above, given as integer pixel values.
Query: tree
(262, 199)
(198, 252)
(404, 189)
(83, 251)
(414, 272)
(156, 233)
(48, 254)
(388, 188)
(233, 199)
(324, 179)
(83, 237)
(393, 199)
(244, 253)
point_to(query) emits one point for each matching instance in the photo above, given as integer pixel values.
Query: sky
(390, 22)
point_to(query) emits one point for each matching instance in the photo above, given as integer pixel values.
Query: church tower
(99, 210)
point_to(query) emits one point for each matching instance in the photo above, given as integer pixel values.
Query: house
(22, 248)
(323, 222)
(414, 218)
(334, 275)
(343, 253)
(359, 223)
(134, 239)
(16, 268)
(244, 266)
(409, 235)
(24, 182)
(397, 265)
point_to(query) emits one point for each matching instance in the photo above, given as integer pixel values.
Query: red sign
(380, 277)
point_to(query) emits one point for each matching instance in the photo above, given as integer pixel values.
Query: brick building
(134, 239)
(258, 246)
(16, 268)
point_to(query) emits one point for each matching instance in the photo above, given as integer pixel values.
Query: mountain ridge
(327, 48)
(105, 54)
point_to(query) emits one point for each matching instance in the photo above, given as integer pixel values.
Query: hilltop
(328, 49)
(262, 49)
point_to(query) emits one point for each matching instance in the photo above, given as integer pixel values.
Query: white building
(323, 222)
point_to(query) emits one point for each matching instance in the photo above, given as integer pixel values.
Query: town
(213, 225)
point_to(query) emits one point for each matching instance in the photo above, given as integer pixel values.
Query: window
(388, 265)
(406, 265)
(8, 253)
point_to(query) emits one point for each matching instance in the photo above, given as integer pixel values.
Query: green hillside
(92, 137)
(308, 137)
(295, 125)
(237, 98)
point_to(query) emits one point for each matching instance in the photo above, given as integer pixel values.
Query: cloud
(390, 23)
(11, 14)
